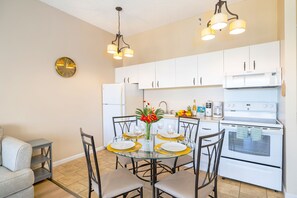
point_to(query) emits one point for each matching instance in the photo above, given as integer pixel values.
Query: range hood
(249, 80)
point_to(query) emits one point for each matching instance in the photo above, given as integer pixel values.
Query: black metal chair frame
(190, 125)
(214, 150)
(124, 124)
(89, 149)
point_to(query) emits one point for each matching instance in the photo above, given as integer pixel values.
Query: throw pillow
(1, 136)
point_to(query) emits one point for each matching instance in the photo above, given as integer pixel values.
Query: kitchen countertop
(202, 119)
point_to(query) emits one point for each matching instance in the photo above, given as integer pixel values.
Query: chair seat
(182, 185)
(183, 160)
(117, 182)
(126, 160)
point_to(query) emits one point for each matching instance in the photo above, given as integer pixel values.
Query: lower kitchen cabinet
(41, 162)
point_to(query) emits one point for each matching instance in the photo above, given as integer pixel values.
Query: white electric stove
(252, 150)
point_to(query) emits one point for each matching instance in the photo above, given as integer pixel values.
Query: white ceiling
(137, 15)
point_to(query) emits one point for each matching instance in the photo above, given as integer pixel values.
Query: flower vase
(148, 131)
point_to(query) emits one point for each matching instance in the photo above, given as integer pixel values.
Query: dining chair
(120, 182)
(185, 184)
(122, 124)
(189, 127)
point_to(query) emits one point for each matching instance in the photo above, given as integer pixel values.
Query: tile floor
(73, 175)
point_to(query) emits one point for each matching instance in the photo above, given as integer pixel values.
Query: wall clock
(65, 67)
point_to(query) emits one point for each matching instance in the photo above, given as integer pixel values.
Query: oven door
(266, 150)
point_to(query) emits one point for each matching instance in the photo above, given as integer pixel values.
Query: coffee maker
(218, 109)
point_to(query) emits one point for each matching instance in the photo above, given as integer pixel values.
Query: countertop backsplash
(180, 98)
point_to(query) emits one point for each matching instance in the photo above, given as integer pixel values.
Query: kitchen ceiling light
(220, 20)
(237, 27)
(207, 34)
(118, 45)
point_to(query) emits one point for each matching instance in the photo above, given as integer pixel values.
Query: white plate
(132, 134)
(122, 145)
(173, 146)
(167, 135)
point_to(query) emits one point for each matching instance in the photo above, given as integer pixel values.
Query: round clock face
(65, 67)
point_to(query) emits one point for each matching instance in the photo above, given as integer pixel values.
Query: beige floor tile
(273, 194)
(68, 180)
(252, 191)
(228, 189)
(77, 187)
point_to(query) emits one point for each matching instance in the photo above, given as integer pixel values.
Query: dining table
(159, 147)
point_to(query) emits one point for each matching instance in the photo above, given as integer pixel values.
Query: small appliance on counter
(217, 109)
(208, 109)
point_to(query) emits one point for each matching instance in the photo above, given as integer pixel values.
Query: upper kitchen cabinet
(210, 68)
(147, 75)
(127, 74)
(186, 71)
(165, 74)
(262, 58)
(265, 57)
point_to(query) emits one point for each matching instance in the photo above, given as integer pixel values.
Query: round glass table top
(153, 149)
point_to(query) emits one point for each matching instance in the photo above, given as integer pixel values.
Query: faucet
(166, 110)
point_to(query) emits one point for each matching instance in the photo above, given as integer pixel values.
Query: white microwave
(271, 79)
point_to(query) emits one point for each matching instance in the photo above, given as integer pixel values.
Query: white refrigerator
(118, 100)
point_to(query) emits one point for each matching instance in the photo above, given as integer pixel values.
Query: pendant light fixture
(119, 47)
(220, 20)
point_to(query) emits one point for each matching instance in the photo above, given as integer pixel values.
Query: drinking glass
(160, 125)
(170, 129)
(137, 131)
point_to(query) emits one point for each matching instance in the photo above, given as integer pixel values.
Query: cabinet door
(120, 75)
(210, 68)
(147, 76)
(132, 74)
(186, 71)
(265, 57)
(165, 73)
(236, 61)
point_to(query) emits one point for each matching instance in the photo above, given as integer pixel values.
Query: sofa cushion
(1, 137)
(13, 182)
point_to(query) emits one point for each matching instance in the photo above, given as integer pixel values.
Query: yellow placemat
(158, 149)
(170, 139)
(133, 149)
(126, 136)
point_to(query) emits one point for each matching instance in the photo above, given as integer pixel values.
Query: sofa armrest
(16, 154)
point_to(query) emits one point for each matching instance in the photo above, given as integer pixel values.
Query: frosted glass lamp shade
(207, 34)
(112, 49)
(219, 21)
(128, 52)
(237, 27)
(118, 56)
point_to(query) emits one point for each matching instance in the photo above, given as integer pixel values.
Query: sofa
(16, 176)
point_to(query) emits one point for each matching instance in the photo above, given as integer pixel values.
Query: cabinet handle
(158, 83)
(124, 80)
(254, 65)
(207, 140)
(193, 81)
(128, 79)
(244, 66)
(152, 84)
(207, 129)
(200, 80)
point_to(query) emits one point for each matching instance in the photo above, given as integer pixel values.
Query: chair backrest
(122, 124)
(210, 146)
(188, 126)
(91, 158)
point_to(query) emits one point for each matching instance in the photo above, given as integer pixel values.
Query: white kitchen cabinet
(265, 57)
(147, 75)
(165, 73)
(210, 68)
(261, 58)
(127, 74)
(236, 61)
(186, 69)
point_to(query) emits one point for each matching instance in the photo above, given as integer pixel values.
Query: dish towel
(256, 134)
(242, 133)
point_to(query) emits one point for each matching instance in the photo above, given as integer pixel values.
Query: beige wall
(183, 38)
(35, 101)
